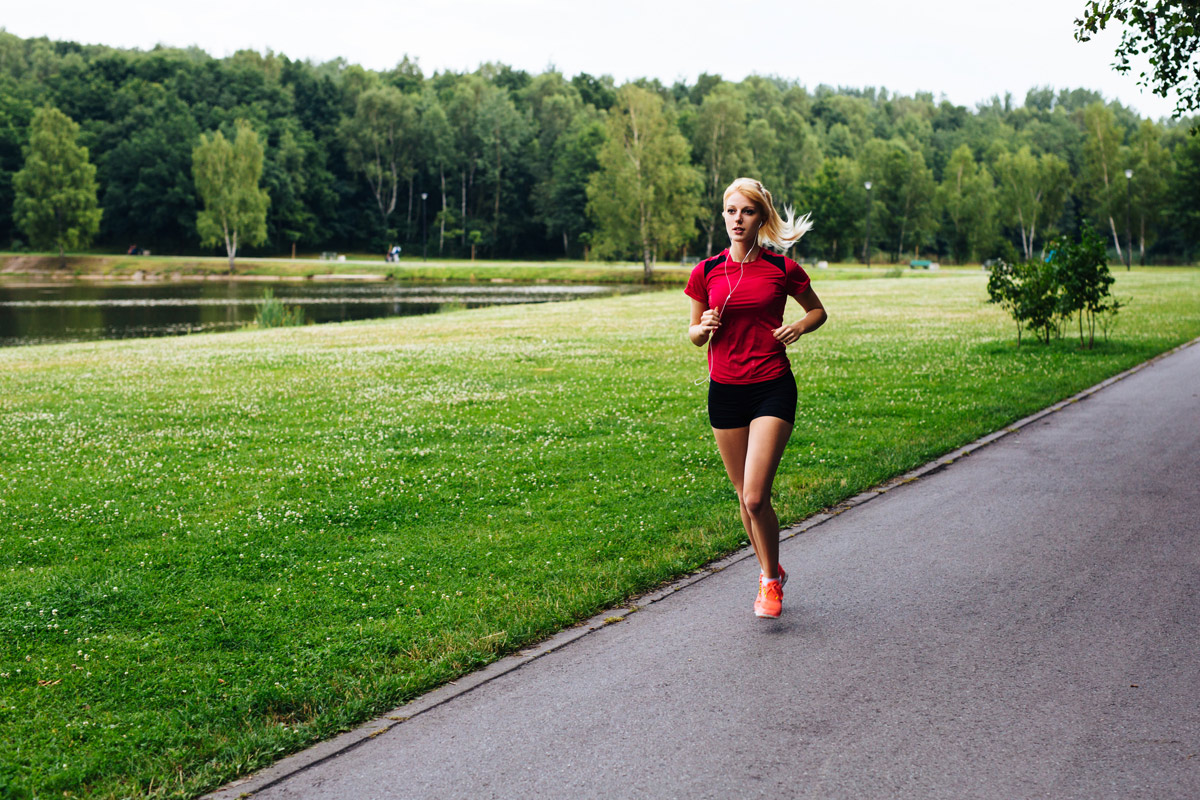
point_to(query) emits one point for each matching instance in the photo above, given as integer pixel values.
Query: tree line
(518, 165)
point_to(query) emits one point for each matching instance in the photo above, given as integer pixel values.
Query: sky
(963, 50)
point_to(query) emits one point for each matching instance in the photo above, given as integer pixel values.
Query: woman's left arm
(814, 317)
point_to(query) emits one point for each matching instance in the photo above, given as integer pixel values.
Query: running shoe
(770, 599)
(782, 575)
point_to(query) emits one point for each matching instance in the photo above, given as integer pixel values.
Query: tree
(645, 196)
(227, 176)
(55, 201)
(720, 149)
(1029, 292)
(1101, 157)
(1032, 191)
(562, 198)
(379, 141)
(838, 203)
(437, 151)
(149, 197)
(1081, 269)
(967, 196)
(1151, 163)
(1185, 190)
(1169, 30)
(15, 115)
(904, 190)
(501, 132)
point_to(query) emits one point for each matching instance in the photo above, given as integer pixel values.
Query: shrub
(272, 313)
(1081, 269)
(1073, 279)
(1029, 291)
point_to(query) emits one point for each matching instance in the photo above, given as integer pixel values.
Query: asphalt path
(1019, 624)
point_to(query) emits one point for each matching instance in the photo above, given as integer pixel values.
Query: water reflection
(36, 314)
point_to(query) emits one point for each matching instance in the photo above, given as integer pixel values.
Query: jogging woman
(738, 300)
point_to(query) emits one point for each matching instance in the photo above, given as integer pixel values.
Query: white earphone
(741, 274)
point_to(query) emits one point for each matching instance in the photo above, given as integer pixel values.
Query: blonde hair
(774, 231)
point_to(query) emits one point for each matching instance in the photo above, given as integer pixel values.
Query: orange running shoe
(782, 575)
(770, 599)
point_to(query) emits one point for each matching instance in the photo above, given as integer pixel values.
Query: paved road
(1021, 624)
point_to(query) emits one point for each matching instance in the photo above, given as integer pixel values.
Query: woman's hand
(787, 334)
(710, 320)
(702, 327)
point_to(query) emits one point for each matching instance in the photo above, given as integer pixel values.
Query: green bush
(272, 313)
(1073, 279)
(1029, 291)
(1082, 272)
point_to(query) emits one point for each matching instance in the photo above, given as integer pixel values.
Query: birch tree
(380, 140)
(1151, 164)
(967, 196)
(721, 149)
(1032, 191)
(227, 177)
(1101, 167)
(645, 197)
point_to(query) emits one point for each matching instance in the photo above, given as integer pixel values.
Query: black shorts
(733, 405)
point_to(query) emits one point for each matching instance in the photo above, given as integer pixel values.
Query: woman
(738, 300)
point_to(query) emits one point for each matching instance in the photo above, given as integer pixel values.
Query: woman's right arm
(705, 320)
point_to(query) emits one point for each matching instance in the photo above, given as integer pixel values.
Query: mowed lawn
(217, 549)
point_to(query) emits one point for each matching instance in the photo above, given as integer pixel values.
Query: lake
(86, 310)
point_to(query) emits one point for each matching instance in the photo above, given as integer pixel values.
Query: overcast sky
(964, 50)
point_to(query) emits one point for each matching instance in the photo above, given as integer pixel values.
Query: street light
(424, 231)
(867, 243)
(1128, 230)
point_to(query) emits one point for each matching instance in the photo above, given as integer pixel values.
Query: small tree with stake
(1081, 270)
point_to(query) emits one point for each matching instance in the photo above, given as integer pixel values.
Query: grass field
(217, 549)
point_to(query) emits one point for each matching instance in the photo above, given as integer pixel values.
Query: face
(742, 219)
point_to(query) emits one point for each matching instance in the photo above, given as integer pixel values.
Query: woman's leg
(732, 444)
(751, 456)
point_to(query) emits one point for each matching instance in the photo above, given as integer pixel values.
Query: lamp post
(424, 231)
(1128, 230)
(867, 243)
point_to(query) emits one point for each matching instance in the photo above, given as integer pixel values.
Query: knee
(756, 502)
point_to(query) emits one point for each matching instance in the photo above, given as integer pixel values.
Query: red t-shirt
(743, 350)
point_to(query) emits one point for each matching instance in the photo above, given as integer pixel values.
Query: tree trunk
(463, 219)
(1024, 245)
(1142, 241)
(408, 216)
(1116, 238)
(496, 209)
(566, 246)
(442, 225)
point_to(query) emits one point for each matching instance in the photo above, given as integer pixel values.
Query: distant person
(394, 253)
(738, 300)
(133, 250)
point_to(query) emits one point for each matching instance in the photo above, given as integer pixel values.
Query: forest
(509, 164)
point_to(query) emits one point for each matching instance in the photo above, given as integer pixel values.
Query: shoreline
(44, 269)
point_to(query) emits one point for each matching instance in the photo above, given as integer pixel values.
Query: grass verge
(217, 549)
